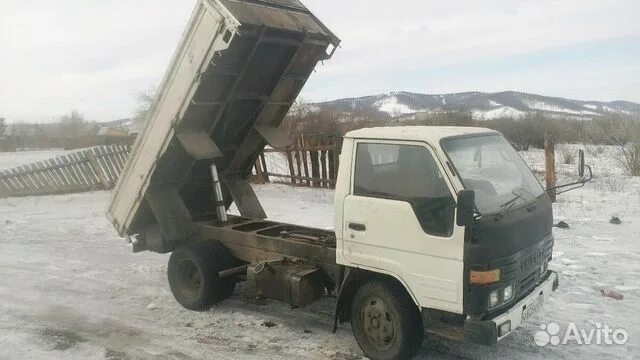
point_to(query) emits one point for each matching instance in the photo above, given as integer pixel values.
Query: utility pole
(550, 164)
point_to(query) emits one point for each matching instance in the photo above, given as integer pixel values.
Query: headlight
(508, 293)
(504, 328)
(493, 299)
(501, 296)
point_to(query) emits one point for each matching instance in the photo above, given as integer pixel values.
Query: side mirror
(466, 207)
(581, 172)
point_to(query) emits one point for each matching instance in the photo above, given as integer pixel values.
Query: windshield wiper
(509, 204)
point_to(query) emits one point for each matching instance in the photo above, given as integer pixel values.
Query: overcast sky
(94, 55)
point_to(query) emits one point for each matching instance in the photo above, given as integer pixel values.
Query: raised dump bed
(238, 69)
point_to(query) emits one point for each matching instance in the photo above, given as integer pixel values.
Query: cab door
(399, 219)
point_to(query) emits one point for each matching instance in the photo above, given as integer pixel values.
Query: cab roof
(430, 134)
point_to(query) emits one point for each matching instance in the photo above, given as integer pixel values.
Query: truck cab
(400, 206)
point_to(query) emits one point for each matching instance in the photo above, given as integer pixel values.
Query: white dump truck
(438, 230)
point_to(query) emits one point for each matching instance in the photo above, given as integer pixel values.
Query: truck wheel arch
(353, 279)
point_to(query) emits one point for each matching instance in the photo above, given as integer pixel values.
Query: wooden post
(305, 163)
(323, 167)
(298, 158)
(315, 167)
(550, 165)
(334, 164)
(313, 158)
(292, 172)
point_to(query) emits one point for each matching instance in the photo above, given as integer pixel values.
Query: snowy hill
(483, 106)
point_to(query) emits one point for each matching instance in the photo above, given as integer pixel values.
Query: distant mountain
(483, 106)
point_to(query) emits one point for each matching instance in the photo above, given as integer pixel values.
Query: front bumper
(487, 332)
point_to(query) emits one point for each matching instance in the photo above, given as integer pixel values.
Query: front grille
(531, 261)
(521, 269)
(527, 283)
(529, 269)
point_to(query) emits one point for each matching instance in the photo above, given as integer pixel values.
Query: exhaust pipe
(221, 210)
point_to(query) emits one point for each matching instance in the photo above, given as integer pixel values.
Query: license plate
(532, 308)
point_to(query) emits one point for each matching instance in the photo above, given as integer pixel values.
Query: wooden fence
(97, 168)
(311, 161)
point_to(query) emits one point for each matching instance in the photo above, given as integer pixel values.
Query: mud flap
(347, 290)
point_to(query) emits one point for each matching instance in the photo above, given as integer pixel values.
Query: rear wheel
(385, 321)
(193, 275)
(227, 261)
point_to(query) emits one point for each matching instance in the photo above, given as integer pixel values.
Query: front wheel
(385, 322)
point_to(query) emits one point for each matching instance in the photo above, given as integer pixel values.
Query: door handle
(357, 227)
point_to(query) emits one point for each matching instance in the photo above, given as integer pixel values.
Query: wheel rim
(379, 323)
(189, 278)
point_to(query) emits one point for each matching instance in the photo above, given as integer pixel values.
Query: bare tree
(73, 124)
(293, 122)
(307, 119)
(631, 158)
(3, 126)
(626, 135)
(144, 101)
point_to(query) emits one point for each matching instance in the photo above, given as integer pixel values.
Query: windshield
(493, 169)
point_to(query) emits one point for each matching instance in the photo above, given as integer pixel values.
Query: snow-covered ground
(70, 288)
(10, 160)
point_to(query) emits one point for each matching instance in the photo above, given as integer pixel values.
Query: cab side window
(406, 173)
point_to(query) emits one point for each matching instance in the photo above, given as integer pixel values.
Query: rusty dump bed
(237, 70)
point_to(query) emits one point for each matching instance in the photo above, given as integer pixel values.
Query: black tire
(193, 276)
(385, 322)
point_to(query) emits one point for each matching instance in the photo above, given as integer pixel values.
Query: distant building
(136, 126)
(120, 124)
(108, 131)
